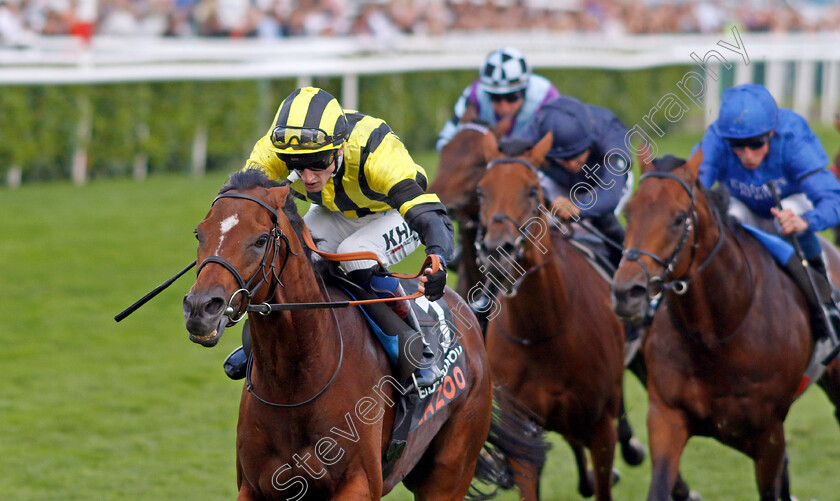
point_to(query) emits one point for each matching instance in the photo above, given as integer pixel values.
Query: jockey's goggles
(288, 137)
(318, 161)
(510, 97)
(752, 143)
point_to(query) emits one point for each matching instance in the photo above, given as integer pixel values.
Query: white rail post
(79, 168)
(304, 81)
(743, 73)
(803, 90)
(830, 91)
(350, 91)
(774, 79)
(712, 97)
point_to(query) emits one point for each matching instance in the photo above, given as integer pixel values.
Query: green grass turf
(92, 409)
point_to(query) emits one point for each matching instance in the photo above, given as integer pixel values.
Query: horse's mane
(718, 197)
(256, 178)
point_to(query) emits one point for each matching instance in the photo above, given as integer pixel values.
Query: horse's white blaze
(225, 226)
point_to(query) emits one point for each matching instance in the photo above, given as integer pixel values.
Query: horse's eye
(195, 232)
(479, 193)
(534, 193)
(261, 241)
(680, 219)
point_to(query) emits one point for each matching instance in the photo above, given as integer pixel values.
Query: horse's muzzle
(630, 301)
(205, 319)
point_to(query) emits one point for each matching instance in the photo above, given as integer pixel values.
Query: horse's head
(510, 198)
(461, 165)
(243, 247)
(660, 243)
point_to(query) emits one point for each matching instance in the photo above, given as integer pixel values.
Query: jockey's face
(315, 180)
(574, 165)
(752, 157)
(507, 105)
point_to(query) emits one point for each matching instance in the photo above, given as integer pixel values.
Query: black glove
(436, 283)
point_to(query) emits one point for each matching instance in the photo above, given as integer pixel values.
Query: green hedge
(40, 124)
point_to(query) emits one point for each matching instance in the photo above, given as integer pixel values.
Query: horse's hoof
(616, 476)
(633, 452)
(694, 496)
(587, 490)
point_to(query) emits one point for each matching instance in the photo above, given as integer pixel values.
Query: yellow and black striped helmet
(309, 120)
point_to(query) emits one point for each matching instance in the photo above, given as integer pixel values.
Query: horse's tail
(514, 435)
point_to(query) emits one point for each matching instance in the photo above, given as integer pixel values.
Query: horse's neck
(291, 345)
(719, 297)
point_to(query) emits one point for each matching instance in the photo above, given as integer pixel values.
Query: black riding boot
(237, 361)
(817, 295)
(609, 225)
(415, 359)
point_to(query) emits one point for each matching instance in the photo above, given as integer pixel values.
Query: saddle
(429, 322)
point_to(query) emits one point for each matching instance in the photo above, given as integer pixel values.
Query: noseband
(679, 287)
(248, 289)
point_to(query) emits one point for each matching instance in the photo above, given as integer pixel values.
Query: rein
(248, 368)
(431, 261)
(679, 286)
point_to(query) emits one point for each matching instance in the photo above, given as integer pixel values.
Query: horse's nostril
(188, 304)
(508, 247)
(214, 306)
(637, 292)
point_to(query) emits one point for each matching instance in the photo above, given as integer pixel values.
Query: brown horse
(460, 167)
(555, 343)
(730, 341)
(316, 415)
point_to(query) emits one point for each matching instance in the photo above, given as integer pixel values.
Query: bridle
(518, 253)
(248, 289)
(679, 286)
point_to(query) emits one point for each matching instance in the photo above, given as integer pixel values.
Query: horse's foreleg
(769, 463)
(830, 384)
(785, 493)
(585, 487)
(602, 448)
(632, 450)
(667, 434)
(359, 486)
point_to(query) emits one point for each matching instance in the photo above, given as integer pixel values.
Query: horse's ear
(491, 148)
(693, 164)
(277, 196)
(645, 157)
(536, 155)
(503, 126)
(470, 114)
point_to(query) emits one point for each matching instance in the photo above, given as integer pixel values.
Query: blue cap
(747, 110)
(570, 124)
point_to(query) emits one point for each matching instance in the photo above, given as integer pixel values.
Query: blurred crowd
(20, 19)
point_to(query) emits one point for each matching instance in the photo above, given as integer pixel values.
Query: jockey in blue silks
(586, 173)
(754, 142)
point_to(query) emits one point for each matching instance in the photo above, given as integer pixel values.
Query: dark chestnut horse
(731, 339)
(555, 344)
(460, 167)
(317, 414)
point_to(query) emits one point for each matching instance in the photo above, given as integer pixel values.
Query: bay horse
(460, 166)
(555, 344)
(730, 341)
(317, 410)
